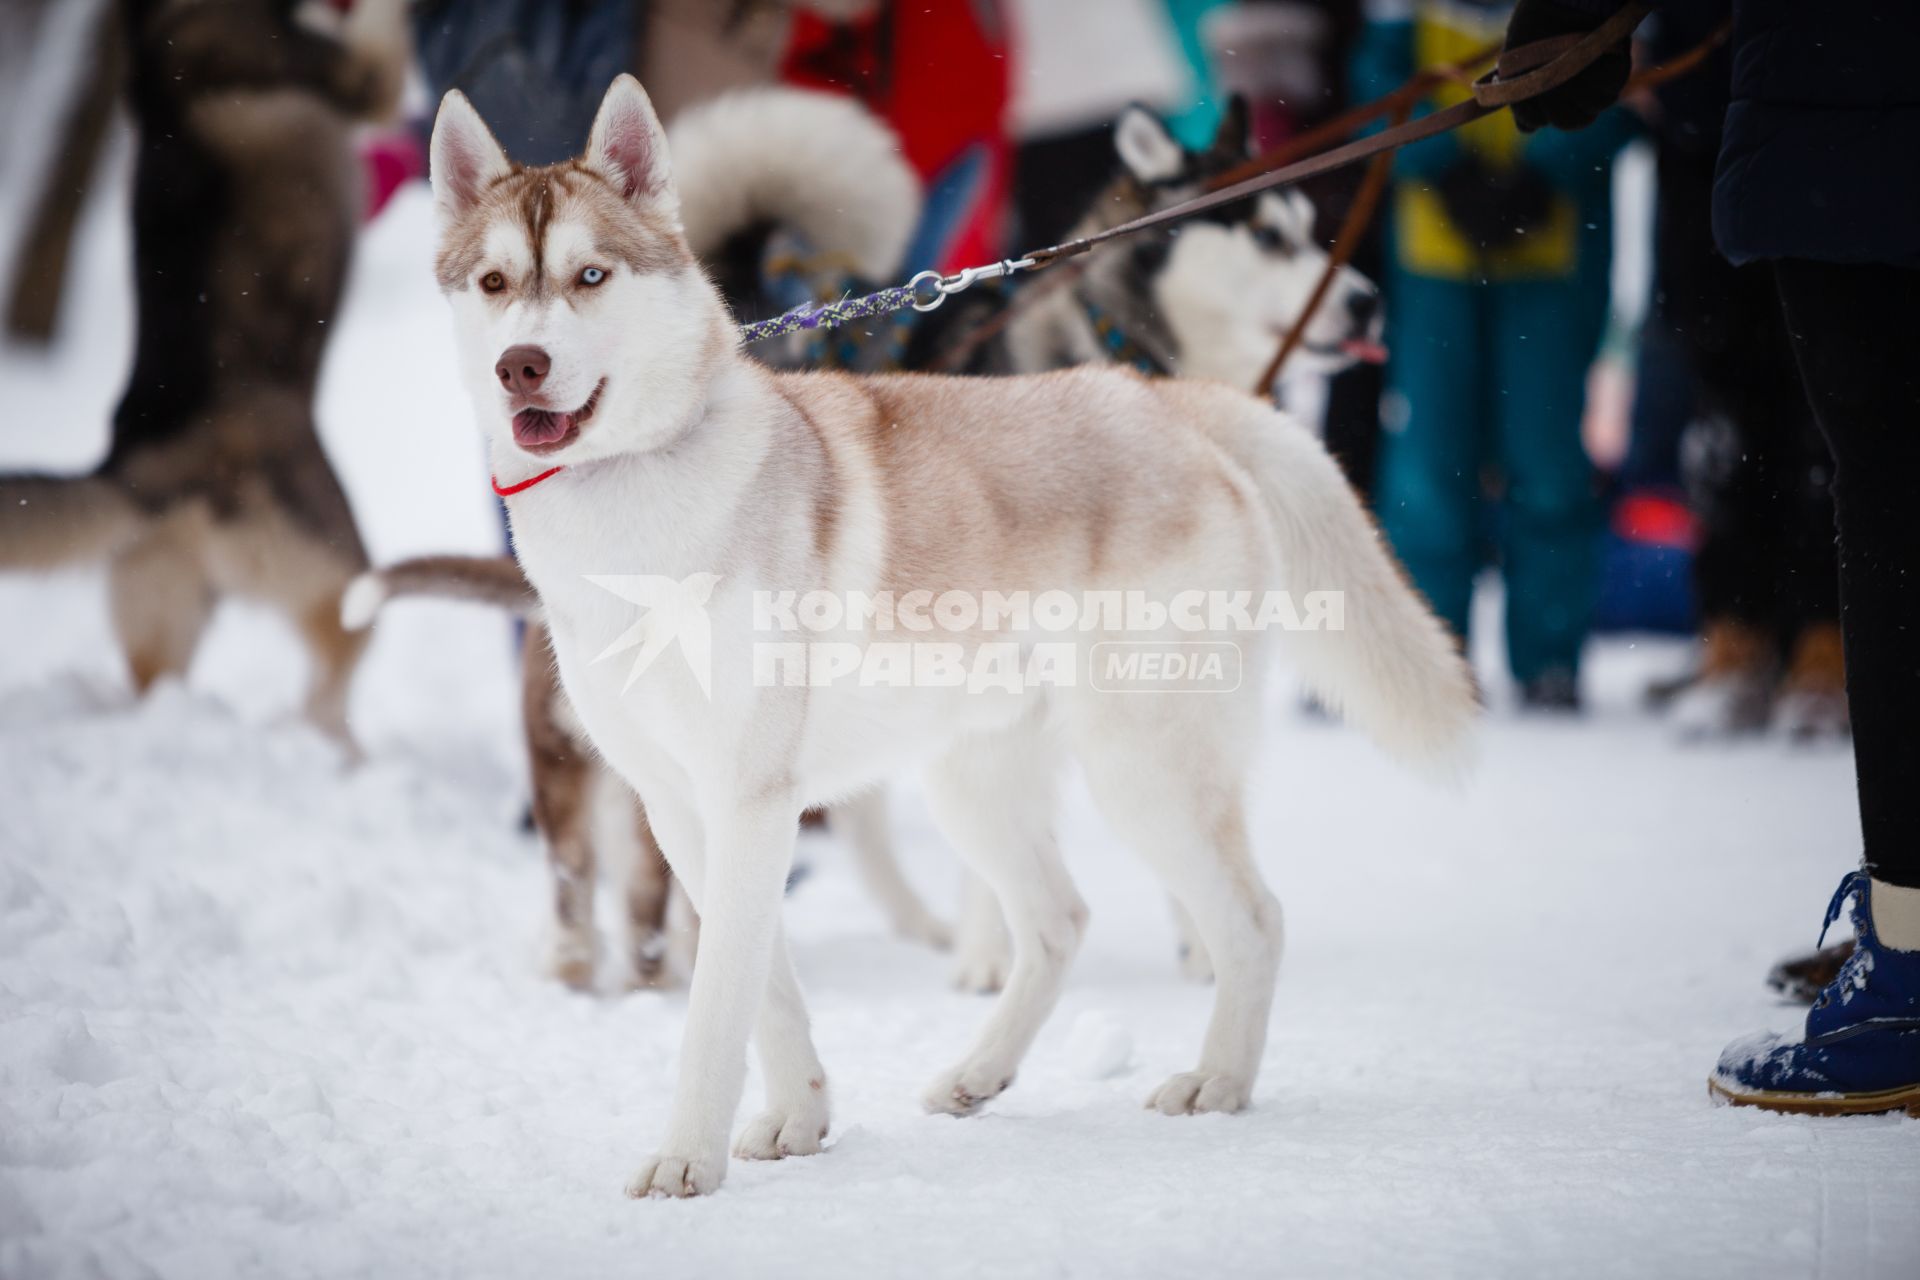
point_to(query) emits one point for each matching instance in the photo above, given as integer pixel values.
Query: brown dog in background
(245, 204)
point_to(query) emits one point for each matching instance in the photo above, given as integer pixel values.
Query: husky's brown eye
(592, 276)
(493, 282)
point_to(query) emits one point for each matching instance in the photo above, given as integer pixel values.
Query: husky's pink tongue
(1364, 350)
(540, 426)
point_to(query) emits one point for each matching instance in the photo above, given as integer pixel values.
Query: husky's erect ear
(463, 158)
(629, 148)
(1150, 152)
(1300, 211)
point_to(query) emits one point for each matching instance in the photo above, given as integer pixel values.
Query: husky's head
(584, 326)
(1233, 281)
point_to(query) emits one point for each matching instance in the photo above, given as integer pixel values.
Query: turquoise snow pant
(1495, 374)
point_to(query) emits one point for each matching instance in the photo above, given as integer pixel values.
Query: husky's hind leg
(334, 654)
(994, 795)
(162, 597)
(649, 890)
(1166, 769)
(863, 819)
(563, 772)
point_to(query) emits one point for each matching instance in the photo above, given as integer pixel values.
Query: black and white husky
(1207, 298)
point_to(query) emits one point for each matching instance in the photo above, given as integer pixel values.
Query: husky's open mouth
(544, 430)
(1358, 350)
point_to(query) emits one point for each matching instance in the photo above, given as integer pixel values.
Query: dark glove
(1493, 207)
(1575, 104)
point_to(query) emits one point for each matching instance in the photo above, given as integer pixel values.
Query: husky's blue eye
(592, 276)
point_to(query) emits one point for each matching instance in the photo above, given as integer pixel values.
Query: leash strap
(833, 314)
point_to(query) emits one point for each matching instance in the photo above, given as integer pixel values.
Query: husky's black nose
(522, 369)
(1361, 308)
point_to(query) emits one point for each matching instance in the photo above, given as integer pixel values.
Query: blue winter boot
(1860, 1051)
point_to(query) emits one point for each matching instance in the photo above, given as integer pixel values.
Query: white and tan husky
(592, 342)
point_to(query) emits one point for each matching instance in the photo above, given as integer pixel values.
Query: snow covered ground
(261, 1014)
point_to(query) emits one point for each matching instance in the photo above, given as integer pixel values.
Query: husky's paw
(925, 928)
(780, 1132)
(677, 1176)
(983, 965)
(965, 1089)
(647, 967)
(1192, 1092)
(574, 959)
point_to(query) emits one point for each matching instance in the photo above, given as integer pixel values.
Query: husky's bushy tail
(494, 580)
(1393, 668)
(52, 522)
(815, 163)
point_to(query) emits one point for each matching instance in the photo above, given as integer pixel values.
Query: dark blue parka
(1821, 151)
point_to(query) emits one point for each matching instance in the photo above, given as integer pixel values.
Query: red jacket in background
(938, 72)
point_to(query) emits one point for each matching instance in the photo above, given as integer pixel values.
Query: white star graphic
(674, 611)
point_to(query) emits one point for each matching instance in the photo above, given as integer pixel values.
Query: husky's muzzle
(545, 430)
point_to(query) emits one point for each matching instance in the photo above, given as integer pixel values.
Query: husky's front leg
(795, 1121)
(748, 850)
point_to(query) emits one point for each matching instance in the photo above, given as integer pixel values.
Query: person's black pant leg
(1856, 338)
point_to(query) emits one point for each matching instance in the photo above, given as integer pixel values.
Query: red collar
(507, 491)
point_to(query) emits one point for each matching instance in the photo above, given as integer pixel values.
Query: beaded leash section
(830, 315)
(923, 293)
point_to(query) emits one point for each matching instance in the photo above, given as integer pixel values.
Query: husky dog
(752, 163)
(643, 449)
(755, 164)
(1208, 298)
(246, 197)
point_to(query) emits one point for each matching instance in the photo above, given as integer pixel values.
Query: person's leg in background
(1707, 305)
(1788, 526)
(1854, 330)
(1813, 694)
(1543, 339)
(1432, 446)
